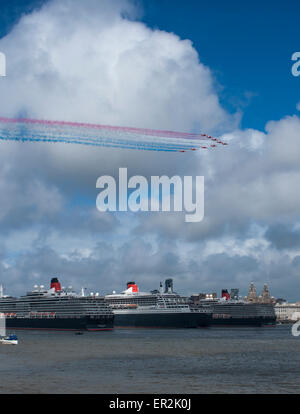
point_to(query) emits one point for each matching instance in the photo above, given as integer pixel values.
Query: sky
(213, 66)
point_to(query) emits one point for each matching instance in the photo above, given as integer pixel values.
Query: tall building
(287, 311)
(265, 296)
(252, 295)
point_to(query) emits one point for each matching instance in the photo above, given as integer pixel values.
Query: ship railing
(42, 314)
(221, 316)
(10, 315)
(124, 306)
(199, 310)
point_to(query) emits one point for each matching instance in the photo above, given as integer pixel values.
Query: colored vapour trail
(34, 130)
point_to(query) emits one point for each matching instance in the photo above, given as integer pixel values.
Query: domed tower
(252, 295)
(265, 295)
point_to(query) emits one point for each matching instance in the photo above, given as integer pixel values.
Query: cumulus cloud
(93, 61)
(254, 181)
(75, 61)
(283, 237)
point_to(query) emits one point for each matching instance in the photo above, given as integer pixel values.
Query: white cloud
(84, 61)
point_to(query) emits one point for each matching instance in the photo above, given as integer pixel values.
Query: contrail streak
(14, 129)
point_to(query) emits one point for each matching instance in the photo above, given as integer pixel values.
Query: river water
(208, 360)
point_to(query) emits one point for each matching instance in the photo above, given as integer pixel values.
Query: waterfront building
(287, 311)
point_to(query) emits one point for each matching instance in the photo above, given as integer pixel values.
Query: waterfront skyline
(152, 65)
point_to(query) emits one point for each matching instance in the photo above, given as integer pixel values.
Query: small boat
(9, 340)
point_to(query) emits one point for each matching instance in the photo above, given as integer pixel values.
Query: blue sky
(126, 62)
(248, 45)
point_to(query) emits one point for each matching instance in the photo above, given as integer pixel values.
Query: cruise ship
(56, 308)
(156, 309)
(230, 310)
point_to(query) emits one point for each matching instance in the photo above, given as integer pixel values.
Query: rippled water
(212, 360)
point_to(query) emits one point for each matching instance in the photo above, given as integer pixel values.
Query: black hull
(160, 320)
(241, 314)
(64, 324)
(243, 322)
